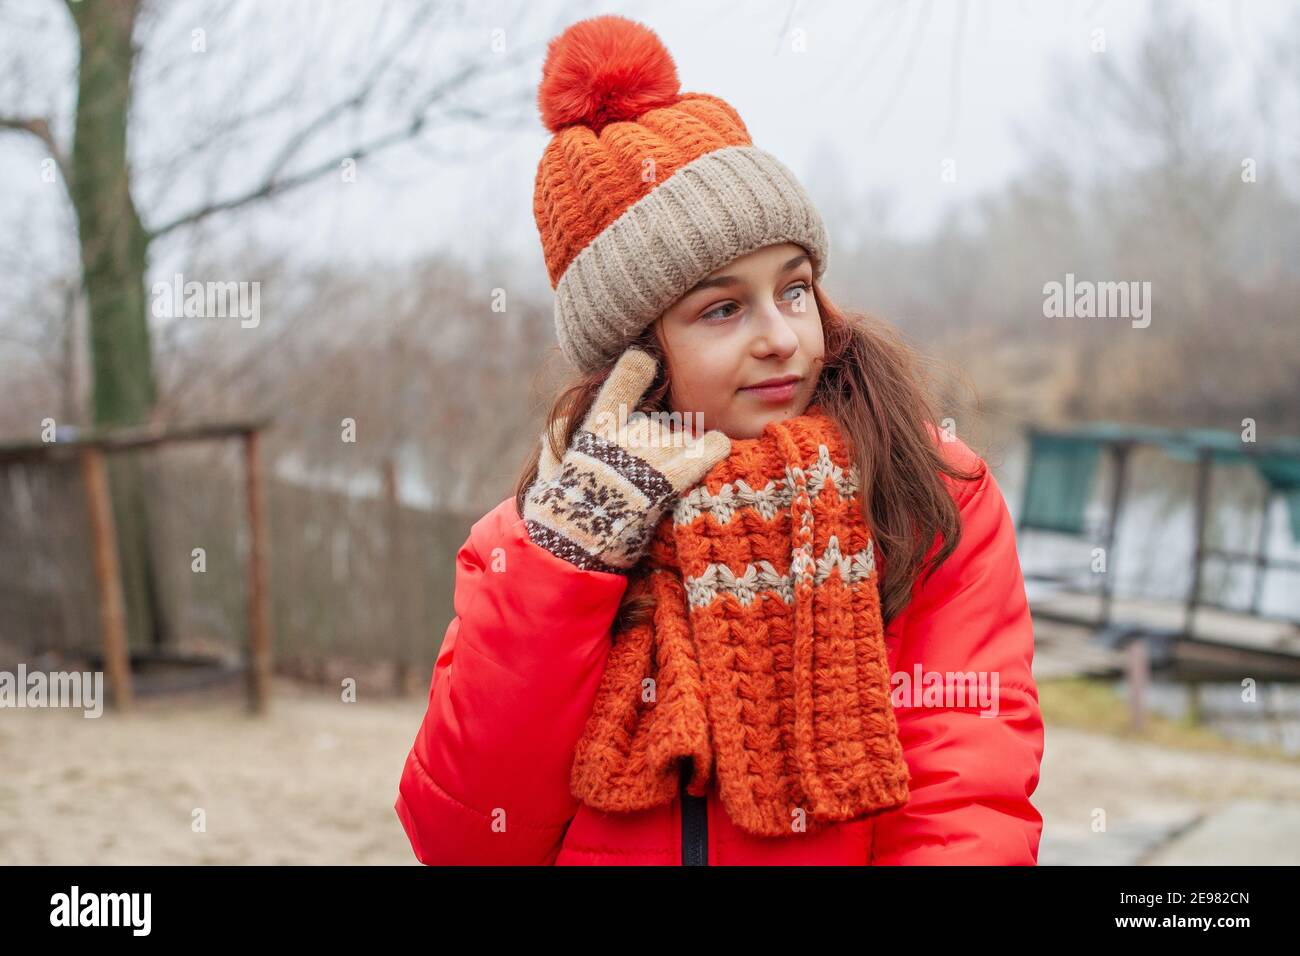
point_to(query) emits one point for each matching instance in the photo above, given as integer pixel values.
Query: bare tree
(126, 49)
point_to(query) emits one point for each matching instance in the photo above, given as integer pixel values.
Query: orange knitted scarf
(764, 658)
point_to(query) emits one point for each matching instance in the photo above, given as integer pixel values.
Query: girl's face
(753, 320)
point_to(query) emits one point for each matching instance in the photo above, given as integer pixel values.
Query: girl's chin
(755, 423)
(740, 422)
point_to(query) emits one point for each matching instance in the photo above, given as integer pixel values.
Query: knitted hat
(644, 190)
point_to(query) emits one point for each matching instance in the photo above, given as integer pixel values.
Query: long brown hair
(870, 384)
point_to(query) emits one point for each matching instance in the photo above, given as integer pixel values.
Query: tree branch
(39, 127)
(275, 183)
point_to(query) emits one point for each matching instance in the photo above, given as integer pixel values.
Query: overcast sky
(882, 94)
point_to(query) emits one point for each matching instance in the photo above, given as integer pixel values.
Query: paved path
(1108, 801)
(1250, 832)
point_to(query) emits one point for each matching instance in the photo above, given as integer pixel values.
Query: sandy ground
(312, 783)
(315, 782)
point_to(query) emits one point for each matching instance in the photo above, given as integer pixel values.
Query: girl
(748, 605)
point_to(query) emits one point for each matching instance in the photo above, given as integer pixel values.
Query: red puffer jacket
(487, 781)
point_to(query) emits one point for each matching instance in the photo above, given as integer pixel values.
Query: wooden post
(259, 632)
(1121, 453)
(1203, 467)
(1261, 551)
(1137, 683)
(108, 578)
(395, 617)
(1194, 705)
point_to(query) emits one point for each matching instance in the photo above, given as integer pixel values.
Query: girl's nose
(773, 334)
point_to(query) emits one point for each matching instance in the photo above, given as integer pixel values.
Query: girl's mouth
(776, 393)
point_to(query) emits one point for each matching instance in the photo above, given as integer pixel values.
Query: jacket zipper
(695, 823)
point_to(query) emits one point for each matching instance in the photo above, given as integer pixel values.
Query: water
(1156, 534)
(1272, 718)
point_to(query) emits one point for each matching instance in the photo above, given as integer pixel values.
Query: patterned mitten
(599, 505)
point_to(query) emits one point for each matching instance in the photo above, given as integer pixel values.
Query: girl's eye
(714, 313)
(799, 288)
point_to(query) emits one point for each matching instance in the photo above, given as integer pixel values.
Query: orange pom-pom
(604, 69)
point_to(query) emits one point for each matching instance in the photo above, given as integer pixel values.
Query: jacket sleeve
(973, 768)
(487, 780)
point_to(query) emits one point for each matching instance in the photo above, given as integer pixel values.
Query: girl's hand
(599, 505)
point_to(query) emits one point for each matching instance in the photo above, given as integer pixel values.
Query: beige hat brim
(723, 205)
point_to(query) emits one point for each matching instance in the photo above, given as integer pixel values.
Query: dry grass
(1096, 706)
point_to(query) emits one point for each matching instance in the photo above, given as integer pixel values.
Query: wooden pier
(1081, 630)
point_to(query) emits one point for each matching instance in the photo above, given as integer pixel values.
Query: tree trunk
(114, 257)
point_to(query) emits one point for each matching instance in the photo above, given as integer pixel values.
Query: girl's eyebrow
(732, 280)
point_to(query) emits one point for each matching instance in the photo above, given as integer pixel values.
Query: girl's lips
(773, 393)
